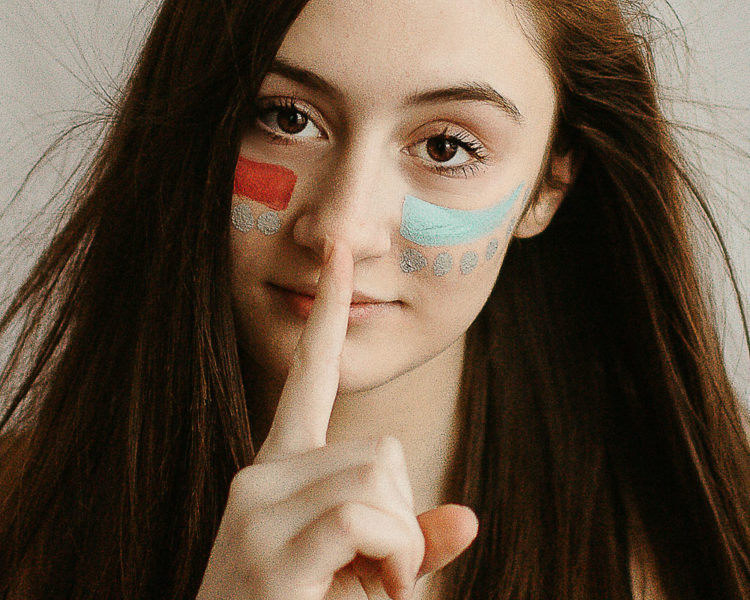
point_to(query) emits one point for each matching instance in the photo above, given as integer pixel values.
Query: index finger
(304, 409)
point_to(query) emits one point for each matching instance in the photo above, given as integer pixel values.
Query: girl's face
(414, 130)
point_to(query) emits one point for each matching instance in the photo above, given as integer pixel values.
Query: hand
(305, 512)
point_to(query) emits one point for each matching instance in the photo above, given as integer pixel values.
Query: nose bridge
(351, 203)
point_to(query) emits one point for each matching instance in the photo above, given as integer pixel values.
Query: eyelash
(286, 103)
(473, 147)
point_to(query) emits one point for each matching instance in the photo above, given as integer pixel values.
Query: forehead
(385, 50)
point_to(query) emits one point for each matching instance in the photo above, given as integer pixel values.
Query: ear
(561, 173)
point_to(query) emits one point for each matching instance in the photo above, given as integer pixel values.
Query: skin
(358, 415)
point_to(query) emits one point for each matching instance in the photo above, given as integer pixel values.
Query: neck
(420, 408)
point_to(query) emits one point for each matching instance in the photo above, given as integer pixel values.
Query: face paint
(492, 247)
(514, 221)
(412, 261)
(432, 225)
(469, 261)
(443, 264)
(242, 218)
(269, 223)
(271, 185)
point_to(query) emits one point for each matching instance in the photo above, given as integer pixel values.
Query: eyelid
(291, 102)
(470, 143)
(440, 126)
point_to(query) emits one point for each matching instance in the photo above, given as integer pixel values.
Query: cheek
(266, 186)
(445, 305)
(456, 243)
(447, 264)
(430, 225)
(270, 185)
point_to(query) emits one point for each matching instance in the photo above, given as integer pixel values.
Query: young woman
(273, 353)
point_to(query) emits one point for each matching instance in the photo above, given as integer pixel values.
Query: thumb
(448, 530)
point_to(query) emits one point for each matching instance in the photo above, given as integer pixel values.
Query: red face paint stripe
(268, 184)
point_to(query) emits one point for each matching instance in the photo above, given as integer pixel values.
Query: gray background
(61, 62)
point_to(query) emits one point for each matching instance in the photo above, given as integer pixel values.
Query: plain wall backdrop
(62, 60)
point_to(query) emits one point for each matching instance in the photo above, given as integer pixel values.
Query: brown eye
(441, 148)
(288, 121)
(453, 152)
(291, 121)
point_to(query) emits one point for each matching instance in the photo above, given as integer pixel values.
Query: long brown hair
(598, 396)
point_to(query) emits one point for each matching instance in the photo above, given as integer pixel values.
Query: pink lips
(300, 299)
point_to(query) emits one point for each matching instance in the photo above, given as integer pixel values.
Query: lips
(300, 299)
(311, 291)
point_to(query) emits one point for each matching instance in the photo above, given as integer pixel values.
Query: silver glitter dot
(242, 218)
(412, 261)
(269, 223)
(443, 264)
(511, 227)
(468, 262)
(491, 249)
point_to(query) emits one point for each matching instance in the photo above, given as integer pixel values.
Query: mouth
(299, 301)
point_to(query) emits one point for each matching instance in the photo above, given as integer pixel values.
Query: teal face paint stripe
(431, 225)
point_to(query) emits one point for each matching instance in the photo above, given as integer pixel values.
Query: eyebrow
(468, 92)
(307, 78)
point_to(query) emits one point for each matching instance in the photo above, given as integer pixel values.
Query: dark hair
(604, 402)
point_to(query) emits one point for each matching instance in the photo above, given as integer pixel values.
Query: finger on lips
(384, 527)
(304, 409)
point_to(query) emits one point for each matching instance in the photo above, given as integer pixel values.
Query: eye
(450, 153)
(283, 118)
(442, 149)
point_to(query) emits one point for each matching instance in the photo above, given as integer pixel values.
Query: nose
(350, 202)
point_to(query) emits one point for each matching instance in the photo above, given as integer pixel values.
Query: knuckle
(344, 517)
(238, 484)
(371, 476)
(389, 450)
(249, 485)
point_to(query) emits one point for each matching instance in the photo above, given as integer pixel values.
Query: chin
(355, 382)
(362, 374)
